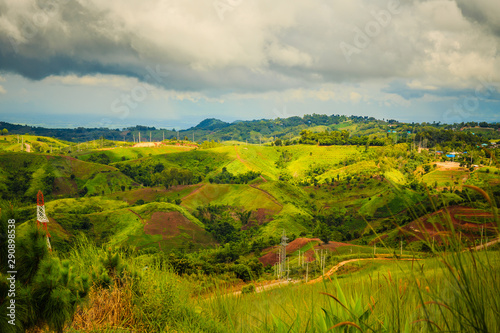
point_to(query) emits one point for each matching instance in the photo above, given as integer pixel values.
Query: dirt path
(480, 247)
(194, 192)
(273, 199)
(336, 267)
(268, 286)
(138, 216)
(28, 148)
(242, 160)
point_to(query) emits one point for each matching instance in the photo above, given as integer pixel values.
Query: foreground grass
(448, 293)
(453, 291)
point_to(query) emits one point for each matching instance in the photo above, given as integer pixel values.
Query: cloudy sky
(173, 63)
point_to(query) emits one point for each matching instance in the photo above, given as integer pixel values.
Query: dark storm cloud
(485, 12)
(255, 46)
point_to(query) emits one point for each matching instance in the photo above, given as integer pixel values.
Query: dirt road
(480, 247)
(278, 284)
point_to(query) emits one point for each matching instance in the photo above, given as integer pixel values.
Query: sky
(173, 63)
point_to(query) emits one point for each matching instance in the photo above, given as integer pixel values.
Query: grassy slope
(131, 153)
(97, 178)
(243, 196)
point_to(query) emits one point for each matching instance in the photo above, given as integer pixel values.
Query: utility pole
(374, 248)
(401, 241)
(150, 136)
(282, 252)
(163, 135)
(139, 136)
(287, 268)
(482, 230)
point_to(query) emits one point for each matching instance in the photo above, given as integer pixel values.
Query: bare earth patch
(446, 166)
(167, 224)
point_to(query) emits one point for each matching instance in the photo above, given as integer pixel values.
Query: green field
(119, 154)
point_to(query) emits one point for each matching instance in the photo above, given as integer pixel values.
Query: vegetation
(184, 237)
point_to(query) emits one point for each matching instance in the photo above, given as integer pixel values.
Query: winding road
(263, 287)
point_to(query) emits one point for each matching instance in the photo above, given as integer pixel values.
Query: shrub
(248, 289)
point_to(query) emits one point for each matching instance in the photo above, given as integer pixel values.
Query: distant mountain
(211, 124)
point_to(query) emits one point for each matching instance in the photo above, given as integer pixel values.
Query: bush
(248, 289)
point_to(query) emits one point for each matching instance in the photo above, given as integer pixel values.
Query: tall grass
(134, 293)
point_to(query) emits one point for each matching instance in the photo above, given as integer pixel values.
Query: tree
(244, 216)
(47, 291)
(321, 231)
(5, 131)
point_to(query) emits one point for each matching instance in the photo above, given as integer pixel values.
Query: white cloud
(2, 90)
(288, 56)
(355, 97)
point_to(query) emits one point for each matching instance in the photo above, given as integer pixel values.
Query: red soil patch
(299, 243)
(167, 224)
(271, 257)
(331, 246)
